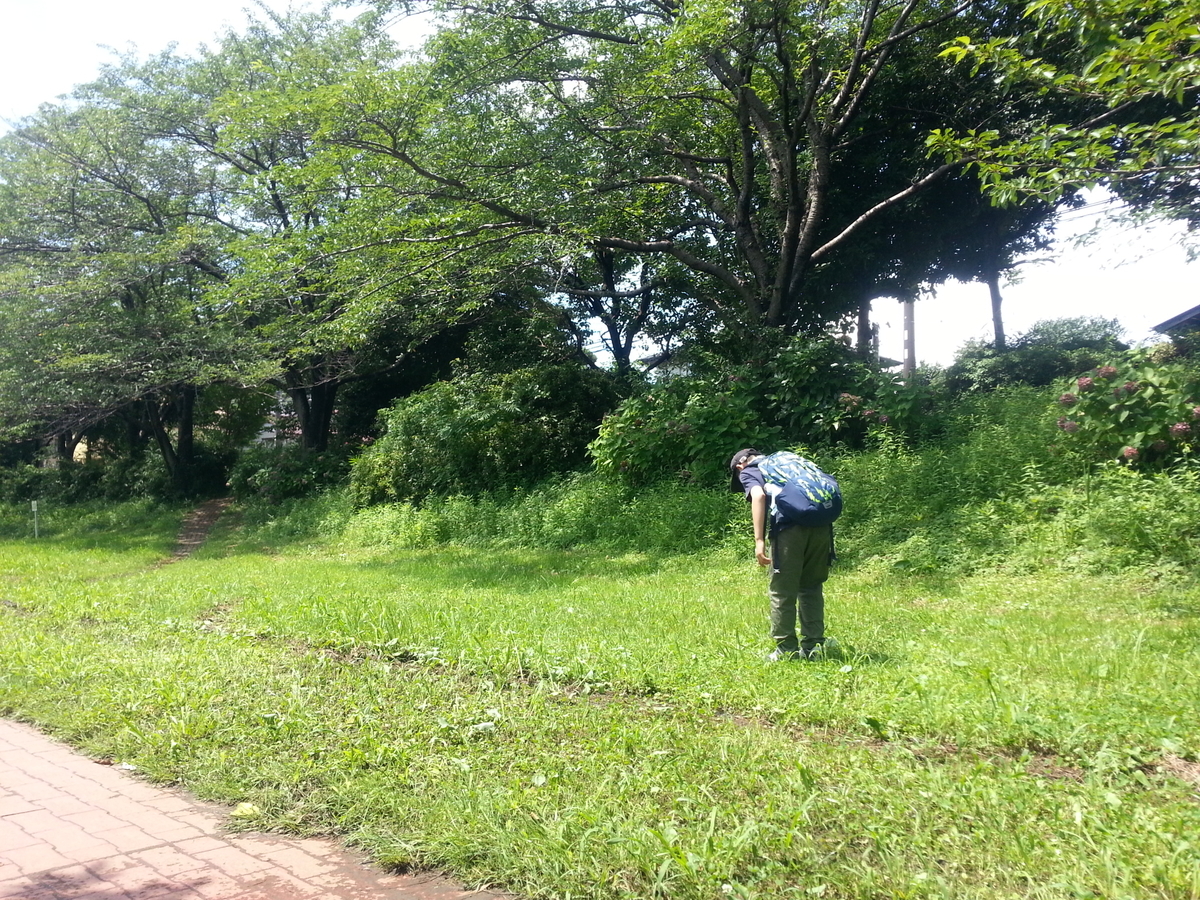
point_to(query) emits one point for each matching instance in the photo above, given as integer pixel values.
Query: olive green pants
(799, 568)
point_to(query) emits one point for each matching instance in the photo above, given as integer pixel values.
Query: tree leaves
(1135, 66)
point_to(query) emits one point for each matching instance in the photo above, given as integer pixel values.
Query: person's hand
(760, 552)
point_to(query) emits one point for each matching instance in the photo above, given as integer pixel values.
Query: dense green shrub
(484, 432)
(1005, 489)
(17, 453)
(1142, 408)
(116, 477)
(281, 473)
(685, 429)
(68, 482)
(803, 383)
(1050, 350)
(815, 393)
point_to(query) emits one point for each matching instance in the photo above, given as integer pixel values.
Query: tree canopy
(1133, 71)
(751, 148)
(302, 206)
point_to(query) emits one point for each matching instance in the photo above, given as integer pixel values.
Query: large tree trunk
(314, 406)
(185, 444)
(65, 443)
(866, 333)
(993, 283)
(163, 440)
(180, 456)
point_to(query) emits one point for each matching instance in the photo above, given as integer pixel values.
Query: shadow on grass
(1184, 604)
(514, 568)
(867, 577)
(849, 654)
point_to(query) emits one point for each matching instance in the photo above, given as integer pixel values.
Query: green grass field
(595, 725)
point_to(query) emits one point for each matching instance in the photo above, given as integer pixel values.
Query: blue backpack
(801, 494)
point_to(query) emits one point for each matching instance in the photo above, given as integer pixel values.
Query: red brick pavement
(71, 829)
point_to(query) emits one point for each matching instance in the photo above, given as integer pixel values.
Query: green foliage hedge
(1000, 490)
(815, 393)
(113, 479)
(281, 473)
(1050, 350)
(484, 432)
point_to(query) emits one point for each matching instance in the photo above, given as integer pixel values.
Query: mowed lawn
(575, 724)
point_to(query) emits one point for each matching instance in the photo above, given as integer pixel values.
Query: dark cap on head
(740, 457)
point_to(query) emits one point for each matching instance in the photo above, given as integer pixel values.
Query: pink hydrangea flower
(1130, 453)
(1085, 383)
(1070, 426)
(1067, 399)
(1106, 372)
(1179, 429)
(1130, 387)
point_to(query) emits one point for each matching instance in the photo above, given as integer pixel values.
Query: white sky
(1139, 276)
(48, 46)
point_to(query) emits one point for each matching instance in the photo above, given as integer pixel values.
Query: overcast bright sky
(1138, 276)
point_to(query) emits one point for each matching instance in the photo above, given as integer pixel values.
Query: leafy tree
(103, 309)
(632, 299)
(163, 187)
(272, 226)
(996, 240)
(1133, 69)
(512, 330)
(749, 145)
(950, 231)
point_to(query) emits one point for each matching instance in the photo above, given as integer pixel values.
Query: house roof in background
(1181, 319)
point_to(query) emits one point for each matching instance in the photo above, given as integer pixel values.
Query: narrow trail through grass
(196, 527)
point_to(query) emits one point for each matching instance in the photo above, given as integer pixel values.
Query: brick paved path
(71, 829)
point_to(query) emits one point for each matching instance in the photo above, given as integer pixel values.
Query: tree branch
(916, 188)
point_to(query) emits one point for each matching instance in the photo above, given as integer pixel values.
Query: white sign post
(33, 503)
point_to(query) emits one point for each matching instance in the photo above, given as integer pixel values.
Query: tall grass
(997, 492)
(1000, 492)
(582, 510)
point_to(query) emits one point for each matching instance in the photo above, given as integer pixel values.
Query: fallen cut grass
(575, 723)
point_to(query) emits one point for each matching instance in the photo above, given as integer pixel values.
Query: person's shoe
(778, 655)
